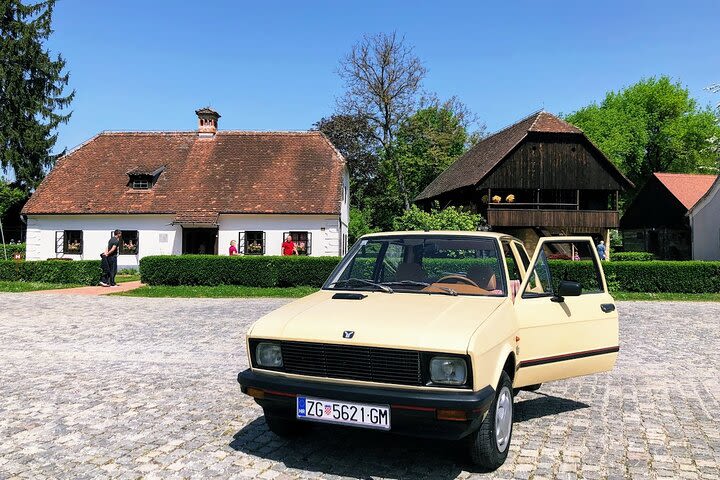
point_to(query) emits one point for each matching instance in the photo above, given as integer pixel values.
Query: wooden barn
(537, 177)
(657, 220)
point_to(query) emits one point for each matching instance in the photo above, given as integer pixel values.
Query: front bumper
(411, 412)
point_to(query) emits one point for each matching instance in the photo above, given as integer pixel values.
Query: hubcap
(503, 419)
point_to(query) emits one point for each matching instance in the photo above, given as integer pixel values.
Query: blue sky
(272, 66)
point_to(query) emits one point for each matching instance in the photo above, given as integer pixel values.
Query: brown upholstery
(410, 271)
(483, 275)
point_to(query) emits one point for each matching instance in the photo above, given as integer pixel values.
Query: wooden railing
(516, 217)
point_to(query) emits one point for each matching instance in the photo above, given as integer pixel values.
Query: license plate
(344, 413)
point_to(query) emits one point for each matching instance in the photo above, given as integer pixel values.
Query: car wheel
(490, 444)
(282, 426)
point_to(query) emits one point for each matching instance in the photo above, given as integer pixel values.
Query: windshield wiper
(449, 291)
(378, 286)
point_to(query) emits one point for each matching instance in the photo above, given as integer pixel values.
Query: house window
(302, 241)
(69, 242)
(141, 183)
(254, 243)
(129, 242)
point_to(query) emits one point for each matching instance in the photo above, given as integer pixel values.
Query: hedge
(81, 272)
(632, 257)
(248, 270)
(266, 271)
(12, 249)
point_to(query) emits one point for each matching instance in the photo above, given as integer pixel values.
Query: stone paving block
(127, 388)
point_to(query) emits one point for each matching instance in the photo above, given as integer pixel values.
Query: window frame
(121, 250)
(66, 234)
(541, 256)
(308, 243)
(246, 241)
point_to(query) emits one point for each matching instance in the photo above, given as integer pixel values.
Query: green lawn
(668, 297)
(31, 286)
(221, 291)
(127, 278)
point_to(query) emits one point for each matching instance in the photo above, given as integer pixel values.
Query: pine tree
(31, 91)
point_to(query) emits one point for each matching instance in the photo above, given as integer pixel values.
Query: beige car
(431, 334)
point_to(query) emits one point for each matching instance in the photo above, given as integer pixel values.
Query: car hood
(437, 322)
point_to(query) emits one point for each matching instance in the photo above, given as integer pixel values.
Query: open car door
(568, 325)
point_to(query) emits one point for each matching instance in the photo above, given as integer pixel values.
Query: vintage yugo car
(432, 334)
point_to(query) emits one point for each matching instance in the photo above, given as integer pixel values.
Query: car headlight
(268, 355)
(448, 370)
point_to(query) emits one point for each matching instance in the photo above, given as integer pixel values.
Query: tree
(449, 218)
(353, 136)
(10, 196)
(359, 224)
(382, 79)
(431, 139)
(652, 126)
(32, 88)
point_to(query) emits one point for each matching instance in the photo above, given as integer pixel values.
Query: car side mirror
(567, 288)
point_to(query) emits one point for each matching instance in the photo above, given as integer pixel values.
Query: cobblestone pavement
(132, 387)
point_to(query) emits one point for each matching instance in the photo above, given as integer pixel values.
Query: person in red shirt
(288, 247)
(233, 248)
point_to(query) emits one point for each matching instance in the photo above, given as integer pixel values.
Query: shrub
(266, 271)
(252, 271)
(83, 272)
(644, 276)
(449, 218)
(631, 256)
(12, 249)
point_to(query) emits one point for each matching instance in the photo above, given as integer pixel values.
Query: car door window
(564, 260)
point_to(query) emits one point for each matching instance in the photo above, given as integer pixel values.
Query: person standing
(288, 247)
(111, 253)
(233, 249)
(601, 250)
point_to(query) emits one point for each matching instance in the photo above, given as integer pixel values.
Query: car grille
(352, 362)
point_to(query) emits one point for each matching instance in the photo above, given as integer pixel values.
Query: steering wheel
(457, 277)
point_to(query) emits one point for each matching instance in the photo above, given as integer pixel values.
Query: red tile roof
(231, 172)
(688, 188)
(476, 163)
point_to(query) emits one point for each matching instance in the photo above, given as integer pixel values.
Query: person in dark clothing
(111, 254)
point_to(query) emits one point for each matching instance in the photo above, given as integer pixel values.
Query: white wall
(152, 229)
(705, 225)
(159, 237)
(325, 231)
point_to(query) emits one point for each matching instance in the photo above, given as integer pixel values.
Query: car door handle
(607, 307)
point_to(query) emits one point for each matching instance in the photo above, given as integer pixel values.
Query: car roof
(465, 233)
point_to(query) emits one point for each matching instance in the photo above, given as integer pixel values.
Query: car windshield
(432, 264)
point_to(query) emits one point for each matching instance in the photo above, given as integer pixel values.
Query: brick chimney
(207, 121)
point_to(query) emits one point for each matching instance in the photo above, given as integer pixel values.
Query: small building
(537, 177)
(657, 221)
(192, 192)
(705, 224)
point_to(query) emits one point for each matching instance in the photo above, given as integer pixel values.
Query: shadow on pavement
(544, 405)
(359, 453)
(353, 452)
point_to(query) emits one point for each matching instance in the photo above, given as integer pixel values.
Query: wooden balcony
(527, 217)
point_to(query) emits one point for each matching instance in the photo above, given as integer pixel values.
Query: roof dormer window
(142, 179)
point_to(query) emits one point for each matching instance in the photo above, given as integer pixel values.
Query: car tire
(489, 445)
(282, 426)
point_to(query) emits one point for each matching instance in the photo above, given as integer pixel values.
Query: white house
(705, 225)
(192, 192)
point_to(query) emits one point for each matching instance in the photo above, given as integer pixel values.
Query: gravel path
(139, 387)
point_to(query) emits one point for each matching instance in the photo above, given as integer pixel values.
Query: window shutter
(309, 243)
(241, 243)
(59, 241)
(263, 243)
